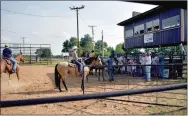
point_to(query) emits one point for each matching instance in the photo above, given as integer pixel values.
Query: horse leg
(82, 85)
(60, 85)
(63, 81)
(17, 73)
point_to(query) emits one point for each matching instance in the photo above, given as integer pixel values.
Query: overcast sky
(55, 30)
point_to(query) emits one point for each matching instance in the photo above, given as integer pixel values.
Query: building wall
(161, 37)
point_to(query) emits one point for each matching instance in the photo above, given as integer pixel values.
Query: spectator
(155, 61)
(142, 60)
(134, 68)
(110, 69)
(182, 54)
(148, 68)
(129, 68)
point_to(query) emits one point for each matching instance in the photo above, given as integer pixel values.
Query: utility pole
(102, 45)
(23, 44)
(77, 9)
(92, 27)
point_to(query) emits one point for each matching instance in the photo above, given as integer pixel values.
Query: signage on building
(148, 38)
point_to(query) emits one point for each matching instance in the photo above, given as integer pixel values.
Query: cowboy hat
(6, 45)
(75, 47)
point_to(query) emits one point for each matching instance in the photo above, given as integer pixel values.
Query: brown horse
(6, 65)
(64, 69)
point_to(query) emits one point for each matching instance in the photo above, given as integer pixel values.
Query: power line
(28, 14)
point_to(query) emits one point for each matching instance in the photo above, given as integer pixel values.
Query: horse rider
(75, 60)
(92, 54)
(7, 53)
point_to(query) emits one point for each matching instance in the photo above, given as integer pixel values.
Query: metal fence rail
(29, 52)
(24, 102)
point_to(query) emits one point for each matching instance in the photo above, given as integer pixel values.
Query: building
(164, 26)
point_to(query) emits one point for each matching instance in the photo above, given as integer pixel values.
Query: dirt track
(38, 81)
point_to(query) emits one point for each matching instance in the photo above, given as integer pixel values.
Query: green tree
(86, 43)
(73, 41)
(98, 45)
(68, 44)
(109, 49)
(119, 48)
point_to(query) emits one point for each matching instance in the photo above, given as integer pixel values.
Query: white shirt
(142, 60)
(148, 60)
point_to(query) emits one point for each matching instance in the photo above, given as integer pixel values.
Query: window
(129, 33)
(171, 22)
(152, 25)
(156, 25)
(149, 26)
(139, 29)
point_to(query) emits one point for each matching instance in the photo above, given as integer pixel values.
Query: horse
(6, 65)
(64, 69)
(97, 67)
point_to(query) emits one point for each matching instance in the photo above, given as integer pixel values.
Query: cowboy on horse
(75, 60)
(7, 53)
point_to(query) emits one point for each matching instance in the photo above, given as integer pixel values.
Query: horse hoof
(60, 91)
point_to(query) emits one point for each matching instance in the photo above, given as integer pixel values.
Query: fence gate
(33, 53)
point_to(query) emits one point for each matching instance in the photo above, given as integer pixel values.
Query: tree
(43, 52)
(68, 44)
(98, 45)
(109, 49)
(86, 42)
(73, 41)
(119, 49)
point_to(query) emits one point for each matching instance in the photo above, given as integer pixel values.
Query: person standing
(148, 68)
(155, 61)
(109, 63)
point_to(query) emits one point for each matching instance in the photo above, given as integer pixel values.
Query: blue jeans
(111, 74)
(80, 67)
(147, 73)
(14, 63)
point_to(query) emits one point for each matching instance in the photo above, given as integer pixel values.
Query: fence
(132, 83)
(12, 103)
(33, 53)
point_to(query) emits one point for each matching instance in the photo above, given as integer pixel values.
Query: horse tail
(57, 79)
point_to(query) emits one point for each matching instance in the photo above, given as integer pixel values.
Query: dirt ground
(38, 82)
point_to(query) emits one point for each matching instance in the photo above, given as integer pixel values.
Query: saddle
(72, 65)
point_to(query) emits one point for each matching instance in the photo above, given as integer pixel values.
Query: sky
(62, 25)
